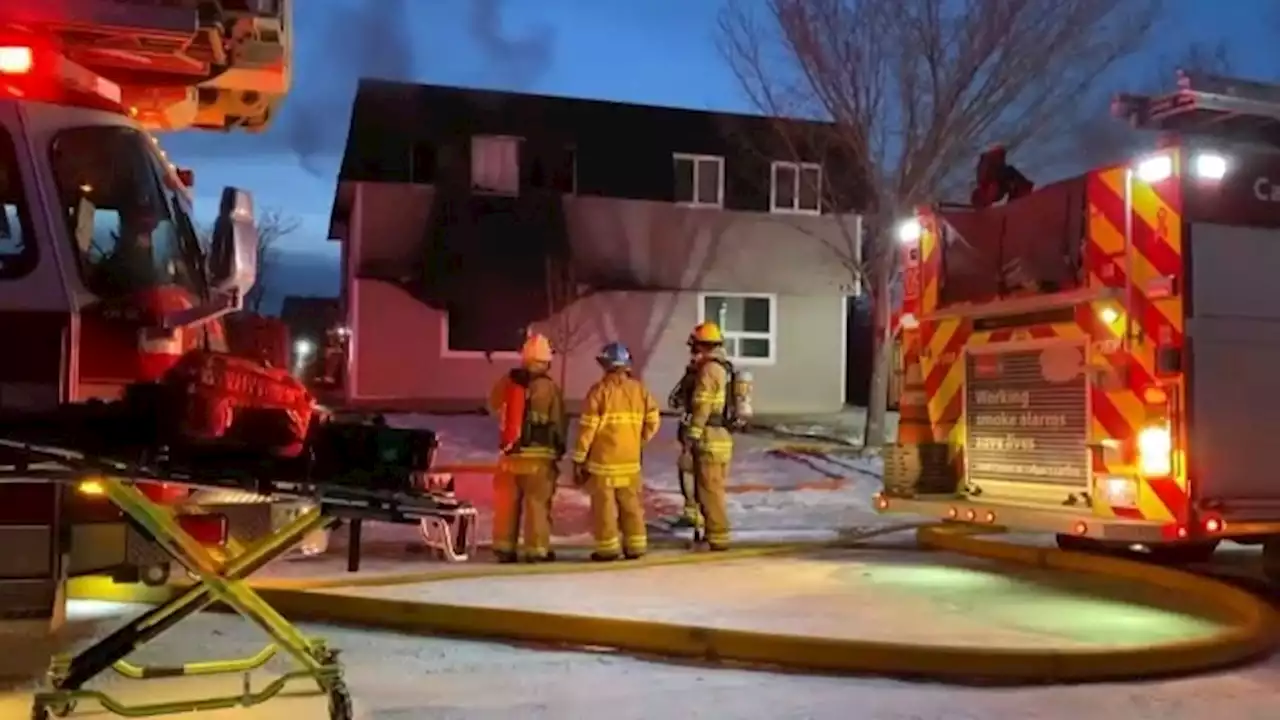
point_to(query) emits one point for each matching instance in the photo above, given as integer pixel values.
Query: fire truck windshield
(130, 230)
(17, 246)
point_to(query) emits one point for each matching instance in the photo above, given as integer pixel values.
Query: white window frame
(798, 168)
(696, 159)
(771, 336)
(476, 141)
(450, 354)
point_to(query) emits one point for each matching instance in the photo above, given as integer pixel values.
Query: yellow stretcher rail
(218, 580)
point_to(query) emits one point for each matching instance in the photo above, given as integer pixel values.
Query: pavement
(887, 593)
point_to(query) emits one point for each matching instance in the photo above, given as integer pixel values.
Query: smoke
(374, 40)
(518, 61)
(371, 40)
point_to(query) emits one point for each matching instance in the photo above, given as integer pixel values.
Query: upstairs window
(699, 180)
(796, 188)
(495, 164)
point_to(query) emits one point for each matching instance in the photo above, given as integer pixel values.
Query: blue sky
(650, 51)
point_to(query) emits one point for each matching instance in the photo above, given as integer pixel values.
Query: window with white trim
(796, 187)
(749, 323)
(495, 164)
(699, 180)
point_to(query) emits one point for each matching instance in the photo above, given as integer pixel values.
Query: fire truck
(1098, 358)
(104, 281)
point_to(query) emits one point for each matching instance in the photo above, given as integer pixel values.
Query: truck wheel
(1271, 559)
(1184, 553)
(1075, 543)
(155, 575)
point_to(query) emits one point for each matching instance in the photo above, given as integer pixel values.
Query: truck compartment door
(1026, 422)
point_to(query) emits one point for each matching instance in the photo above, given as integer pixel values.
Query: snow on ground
(397, 677)
(765, 490)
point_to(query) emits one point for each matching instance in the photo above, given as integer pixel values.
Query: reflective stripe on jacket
(709, 393)
(545, 406)
(618, 417)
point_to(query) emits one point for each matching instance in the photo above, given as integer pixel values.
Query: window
(18, 251)
(472, 332)
(699, 180)
(495, 164)
(555, 169)
(130, 231)
(797, 187)
(422, 164)
(749, 324)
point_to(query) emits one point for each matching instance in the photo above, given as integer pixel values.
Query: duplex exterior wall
(399, 345)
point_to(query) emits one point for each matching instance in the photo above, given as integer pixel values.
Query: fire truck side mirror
(233, 250)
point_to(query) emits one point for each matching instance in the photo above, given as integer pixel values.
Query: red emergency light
(16, 59)
(42, 73)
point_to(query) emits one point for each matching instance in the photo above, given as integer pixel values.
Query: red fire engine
(1097, 358)
(103, 279)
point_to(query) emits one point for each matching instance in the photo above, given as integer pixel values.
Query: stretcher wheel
(340, 703)
(155, 575)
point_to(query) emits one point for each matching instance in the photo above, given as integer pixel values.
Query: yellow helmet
(707, 333)
(537, 349)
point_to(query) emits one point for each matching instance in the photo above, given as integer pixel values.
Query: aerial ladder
(120, 399)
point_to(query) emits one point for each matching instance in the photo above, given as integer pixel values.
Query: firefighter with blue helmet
(619, 416)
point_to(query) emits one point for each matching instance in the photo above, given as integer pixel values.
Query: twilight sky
(646, 51)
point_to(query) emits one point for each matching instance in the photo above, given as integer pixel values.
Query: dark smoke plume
(519, 61)
(369, 40)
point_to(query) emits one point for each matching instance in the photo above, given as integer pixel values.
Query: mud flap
(32, 566)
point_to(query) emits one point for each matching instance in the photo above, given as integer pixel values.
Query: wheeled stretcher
(356, 471)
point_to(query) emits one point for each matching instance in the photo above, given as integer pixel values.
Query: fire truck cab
(104, 278)
(1100, 359)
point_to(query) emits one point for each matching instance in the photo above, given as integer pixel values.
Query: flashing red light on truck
(16, 59)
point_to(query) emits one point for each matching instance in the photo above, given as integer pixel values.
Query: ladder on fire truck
(207, 63)
(1208, 105)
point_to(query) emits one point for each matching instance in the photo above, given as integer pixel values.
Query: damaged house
(469, 217)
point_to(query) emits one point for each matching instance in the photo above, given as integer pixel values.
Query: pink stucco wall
(399, 356)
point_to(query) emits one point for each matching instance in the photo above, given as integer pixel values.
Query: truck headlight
(1155, 450)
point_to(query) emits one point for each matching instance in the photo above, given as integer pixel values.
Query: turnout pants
(522, 506)
(710, 475)
(616, 505)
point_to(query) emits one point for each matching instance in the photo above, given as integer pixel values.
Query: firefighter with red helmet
(530, 408)
(705, 436)
(619, 416)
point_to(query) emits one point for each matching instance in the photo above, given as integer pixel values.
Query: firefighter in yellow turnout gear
(706, 434)
(534, 442)
(619, 416)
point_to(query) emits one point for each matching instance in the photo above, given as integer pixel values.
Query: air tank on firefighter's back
(743, 385)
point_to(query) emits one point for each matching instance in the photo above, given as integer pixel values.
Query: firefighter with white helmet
(619, 416)
(705, 433)
(530, 408)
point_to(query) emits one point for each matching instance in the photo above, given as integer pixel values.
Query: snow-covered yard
(769, 492)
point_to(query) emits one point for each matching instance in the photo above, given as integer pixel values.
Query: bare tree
(916, 89)
(273, 225)
(568, 320)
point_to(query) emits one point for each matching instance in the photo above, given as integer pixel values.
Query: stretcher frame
(219, 578)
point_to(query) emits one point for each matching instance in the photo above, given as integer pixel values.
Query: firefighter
(619, 416)
(691, 516)
(530, 407)
(706, 437)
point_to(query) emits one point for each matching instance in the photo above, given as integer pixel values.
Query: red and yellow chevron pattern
(1132, 316)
